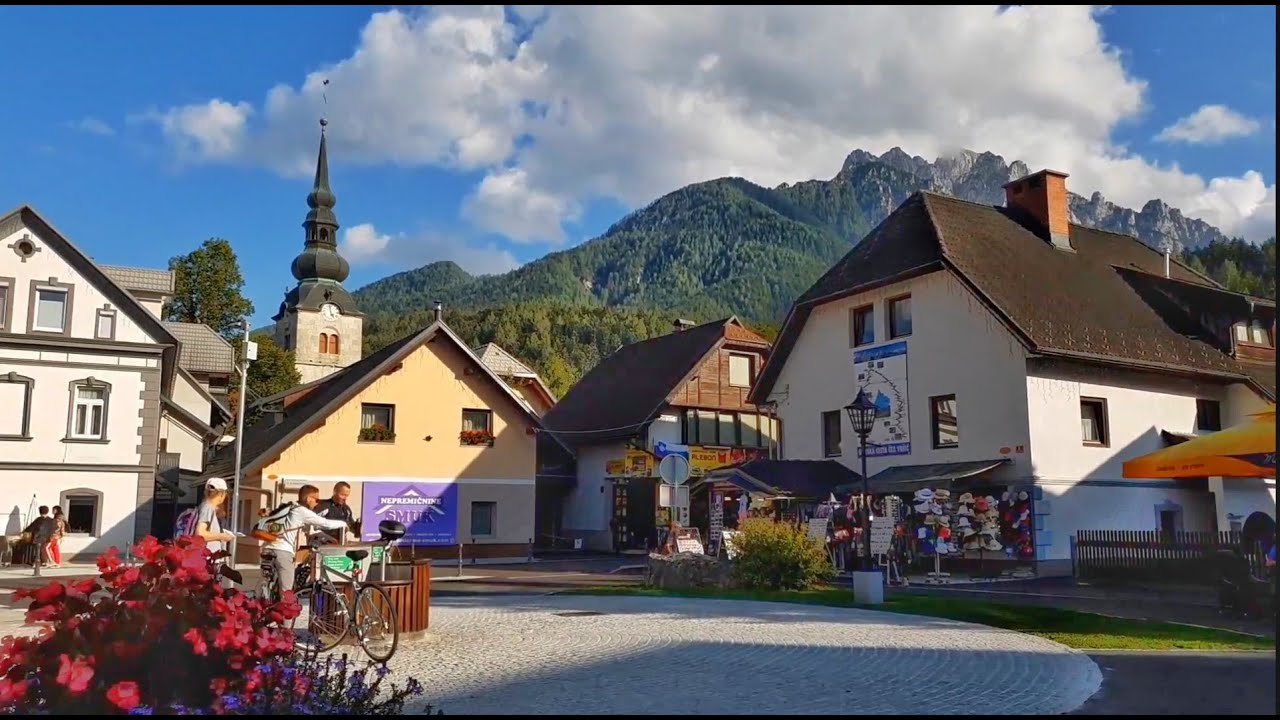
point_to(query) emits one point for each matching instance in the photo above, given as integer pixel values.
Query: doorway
(634, 524)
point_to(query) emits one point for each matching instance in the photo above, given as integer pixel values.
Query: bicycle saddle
(357, 555)
(390, 530)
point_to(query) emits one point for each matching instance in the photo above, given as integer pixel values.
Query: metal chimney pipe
(439, 311)
(1166, 260)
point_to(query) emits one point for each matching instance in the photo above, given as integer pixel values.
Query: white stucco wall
(86, 299)
(956, 347)
(1066, 509)
(117, 500)
(588, 507)
(1086, 483)
(1241, 497)
(180, 439)
(51, 409)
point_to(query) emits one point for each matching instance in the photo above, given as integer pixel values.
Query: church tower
(319, 320)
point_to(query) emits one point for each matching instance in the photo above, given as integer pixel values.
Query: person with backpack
(279, 532)
(205, 520)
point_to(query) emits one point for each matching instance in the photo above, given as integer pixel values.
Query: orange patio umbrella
(1246, 450)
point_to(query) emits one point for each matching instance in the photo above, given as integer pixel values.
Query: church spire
(319, 259)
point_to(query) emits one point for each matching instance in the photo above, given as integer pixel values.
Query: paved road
(1184, 683)
(638, 655)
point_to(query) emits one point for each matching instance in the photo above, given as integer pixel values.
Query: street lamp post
(862, 415)
(249, 353)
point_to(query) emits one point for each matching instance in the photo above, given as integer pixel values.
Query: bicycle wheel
(376, 625)
(324, 621)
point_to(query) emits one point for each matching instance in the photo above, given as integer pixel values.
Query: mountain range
(713, 249)
(731, 246)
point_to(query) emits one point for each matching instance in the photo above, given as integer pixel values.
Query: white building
(94, 408)
(1022, 350)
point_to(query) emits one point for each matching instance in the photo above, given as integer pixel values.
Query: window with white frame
(50, 312)
(740, 370)
(89, 410)
(105, 327)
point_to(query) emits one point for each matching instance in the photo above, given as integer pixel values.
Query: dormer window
(1254, 332)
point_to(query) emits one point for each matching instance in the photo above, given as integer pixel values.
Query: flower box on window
(377, 433)
(476, 437)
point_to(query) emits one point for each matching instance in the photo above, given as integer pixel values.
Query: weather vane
(324, 95)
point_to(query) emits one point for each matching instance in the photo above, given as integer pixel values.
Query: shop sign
(639, 464)
(636, 463)
(882, 372)
(689, 540)
(429, 511)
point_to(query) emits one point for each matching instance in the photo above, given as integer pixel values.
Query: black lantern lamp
(862, 416)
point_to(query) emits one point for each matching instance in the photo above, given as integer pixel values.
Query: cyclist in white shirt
(285, 522)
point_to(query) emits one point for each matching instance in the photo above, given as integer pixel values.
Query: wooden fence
(1154, 556)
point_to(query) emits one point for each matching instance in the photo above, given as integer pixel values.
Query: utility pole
(248, 353)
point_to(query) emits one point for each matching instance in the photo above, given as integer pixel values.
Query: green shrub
(778, 556)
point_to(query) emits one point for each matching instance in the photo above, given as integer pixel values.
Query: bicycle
(327, 616)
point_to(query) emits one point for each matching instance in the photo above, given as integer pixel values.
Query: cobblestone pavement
(639, 655)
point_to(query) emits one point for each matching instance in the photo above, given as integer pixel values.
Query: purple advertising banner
(428, 510)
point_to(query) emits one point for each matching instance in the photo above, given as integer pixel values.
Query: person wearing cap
(210, 514)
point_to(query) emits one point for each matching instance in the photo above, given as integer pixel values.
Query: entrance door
(634, 504)
(642, 506)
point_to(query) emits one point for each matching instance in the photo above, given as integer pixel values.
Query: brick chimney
(1043, 196)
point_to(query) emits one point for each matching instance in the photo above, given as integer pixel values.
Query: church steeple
(319, 259)
(319, 320)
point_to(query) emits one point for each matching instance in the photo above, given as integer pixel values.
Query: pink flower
(198, 645)
(125, 695)
(12, 691)
(75, 675)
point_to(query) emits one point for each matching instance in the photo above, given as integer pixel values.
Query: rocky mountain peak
(981, 176)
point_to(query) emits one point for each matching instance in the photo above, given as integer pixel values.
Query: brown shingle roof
(203, 350)
(625, 390)
(1074, 304)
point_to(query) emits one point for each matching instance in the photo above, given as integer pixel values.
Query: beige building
(421, 417)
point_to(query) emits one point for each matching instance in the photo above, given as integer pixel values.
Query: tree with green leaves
(274, 371)
(209, 289)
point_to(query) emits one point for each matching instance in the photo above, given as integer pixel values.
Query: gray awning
(909, 478)
(1172, 438)
(745, 482)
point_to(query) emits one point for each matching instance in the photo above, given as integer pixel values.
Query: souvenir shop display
(978, 521)
(1017, 525)
(934, 534)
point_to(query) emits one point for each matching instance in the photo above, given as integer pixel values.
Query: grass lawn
(1084, 631)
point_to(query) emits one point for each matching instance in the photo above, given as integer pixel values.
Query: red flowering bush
(157, 634)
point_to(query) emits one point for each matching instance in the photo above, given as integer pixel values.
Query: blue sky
(85, 138)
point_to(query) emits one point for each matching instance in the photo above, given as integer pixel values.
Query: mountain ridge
(730, 246)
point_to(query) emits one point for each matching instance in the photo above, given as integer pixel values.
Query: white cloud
(94, 126)
(562, 105)
(505, 203)
(210, 131)
(364, 245)
(1210, 124)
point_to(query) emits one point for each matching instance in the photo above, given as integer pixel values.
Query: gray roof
(141, 279)
(203, 350)
(502, 363)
